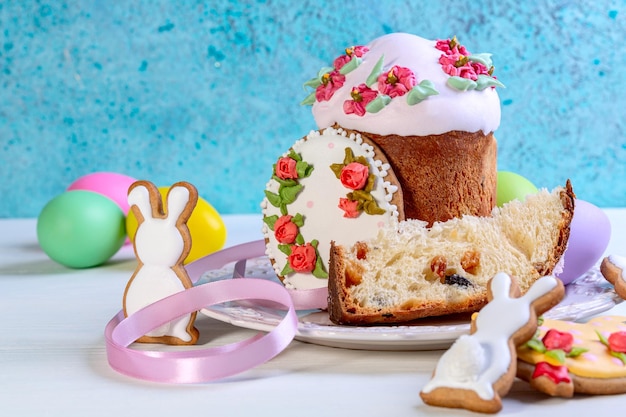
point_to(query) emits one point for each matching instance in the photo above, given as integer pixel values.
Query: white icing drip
(487, 358)
(469, 111)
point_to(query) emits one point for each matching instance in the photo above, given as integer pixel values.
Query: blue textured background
(209, 92)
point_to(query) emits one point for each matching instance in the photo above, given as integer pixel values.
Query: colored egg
(109, 184)
(512, 186)
(590, 233)
(80, 229)
(206, 227)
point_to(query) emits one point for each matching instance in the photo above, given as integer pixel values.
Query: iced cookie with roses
(332, 185)
(431, 106)
(565, 358)
(613, 268)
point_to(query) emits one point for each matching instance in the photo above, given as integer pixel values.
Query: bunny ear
(181, 200)
(144, 200)
(500, 286)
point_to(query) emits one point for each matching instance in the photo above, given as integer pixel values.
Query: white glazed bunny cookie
(479, 368)
(162, 242)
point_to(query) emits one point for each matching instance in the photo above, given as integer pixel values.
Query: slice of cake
(431, 107)
(413, 271)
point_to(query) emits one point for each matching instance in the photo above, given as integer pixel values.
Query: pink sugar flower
(331, 82)
(479, 68)
(450, 46)
(349, 208)
(361, 95)
(342, 60)
(396, 82)
(354, 176)
(285, 230)
(286, 168)
(302, 258)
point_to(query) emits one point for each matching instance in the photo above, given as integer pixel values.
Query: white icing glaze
(487, 357)
(159, 246)
(450, 110)
(620, 262)
(319, 198)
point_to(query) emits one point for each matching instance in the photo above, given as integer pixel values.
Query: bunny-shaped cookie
(161, 243)
(479, 368)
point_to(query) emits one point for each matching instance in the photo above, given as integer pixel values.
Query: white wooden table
(53, 362)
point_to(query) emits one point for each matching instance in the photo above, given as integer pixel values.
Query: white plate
(588, 295)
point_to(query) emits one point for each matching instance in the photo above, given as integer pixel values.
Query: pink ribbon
(203, 365)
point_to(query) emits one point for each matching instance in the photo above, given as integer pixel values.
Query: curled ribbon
(207, 364)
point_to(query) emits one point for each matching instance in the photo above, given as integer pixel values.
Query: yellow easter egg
(206, 227)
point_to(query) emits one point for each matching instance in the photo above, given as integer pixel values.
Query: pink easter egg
(109, 184)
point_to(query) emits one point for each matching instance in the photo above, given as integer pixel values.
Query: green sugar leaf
(556, 354)
(273, 198)
(485, 81)
(376, 71)
(461, 84)
(421, 92)
(377, 104)
(483, 58)
(350, 65)
(308, 100)
(288, 194)
(270, 221)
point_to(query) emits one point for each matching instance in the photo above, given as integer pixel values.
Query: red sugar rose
(286, 168)
(617, 342)
(354, 176)
(556, 373)
(285, 230)
(302, 258)
(349, 207)
(555, 339)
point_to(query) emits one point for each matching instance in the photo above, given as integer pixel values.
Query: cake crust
(443, 176)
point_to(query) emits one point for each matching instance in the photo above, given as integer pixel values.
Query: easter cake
(431, 107)
(405, 132)
(414, 271)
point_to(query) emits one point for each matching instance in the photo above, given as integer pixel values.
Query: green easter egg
(81, 229)
(512, 186)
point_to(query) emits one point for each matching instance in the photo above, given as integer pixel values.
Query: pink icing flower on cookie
(285, 230)
(286, 168)
(361, 95)
(331, 82)
(302, 258)
(349, 207)
(617, 342)
(357, 51)
(556, 373)
(354, 175)
(555, 339)
(396, 82)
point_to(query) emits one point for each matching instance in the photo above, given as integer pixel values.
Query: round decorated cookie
(332, 185)
(565, 358)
